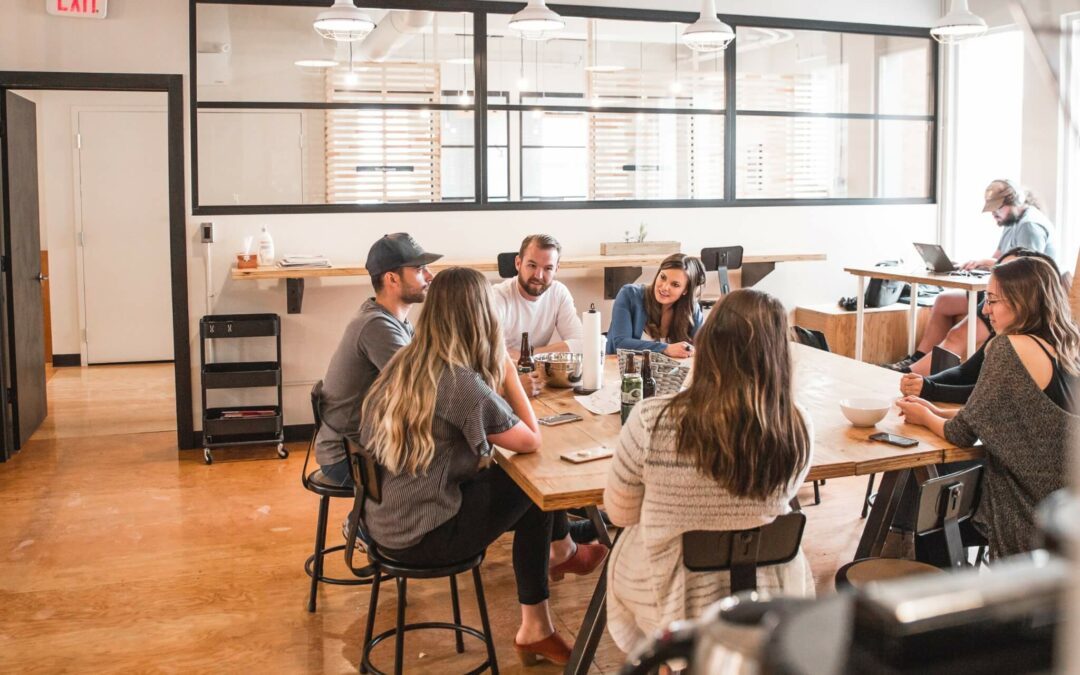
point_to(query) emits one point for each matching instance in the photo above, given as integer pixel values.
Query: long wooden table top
(822, 379)
(490, 265)
(966, 283)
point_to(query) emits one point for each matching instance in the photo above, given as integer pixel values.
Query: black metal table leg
(592, 626)
(890, 490)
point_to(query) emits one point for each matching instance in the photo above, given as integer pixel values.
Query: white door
(123, 193)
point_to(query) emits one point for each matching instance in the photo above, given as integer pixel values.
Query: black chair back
(943, 503)
(810, 338)
(316, 415)
(942, 359)
(507, 269)
(721, 259)
(741, 552)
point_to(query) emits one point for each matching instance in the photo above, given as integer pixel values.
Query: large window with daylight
(427, 112)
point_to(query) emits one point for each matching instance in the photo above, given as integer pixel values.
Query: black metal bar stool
(314, 482)
(365, 475)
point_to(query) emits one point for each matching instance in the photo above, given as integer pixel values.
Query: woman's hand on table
(911, 384)
(679, 350)
(918, 411)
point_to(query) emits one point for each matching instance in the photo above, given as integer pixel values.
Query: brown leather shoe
(586, 558)
(552, 648)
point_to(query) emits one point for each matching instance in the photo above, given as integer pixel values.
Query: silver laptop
(938, 261)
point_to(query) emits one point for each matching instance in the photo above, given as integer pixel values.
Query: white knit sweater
(658, 495)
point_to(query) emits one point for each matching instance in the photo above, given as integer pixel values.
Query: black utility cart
(247, 424)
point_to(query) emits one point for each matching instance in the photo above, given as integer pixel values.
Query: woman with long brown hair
(431, 421)
(1024, 403)
(727, 453)
(663, 316)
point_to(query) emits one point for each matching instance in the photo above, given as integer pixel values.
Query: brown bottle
(525, 363)
(648, 382)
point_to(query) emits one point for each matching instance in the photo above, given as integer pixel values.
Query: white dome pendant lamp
(708, 33)
(343, 22)
(536, 21)
(959, 24)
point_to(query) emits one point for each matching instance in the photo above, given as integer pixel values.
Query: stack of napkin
(303, 260)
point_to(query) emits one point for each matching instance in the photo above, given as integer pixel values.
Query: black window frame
(480, 106)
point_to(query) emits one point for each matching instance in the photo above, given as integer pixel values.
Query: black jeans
(492, 504)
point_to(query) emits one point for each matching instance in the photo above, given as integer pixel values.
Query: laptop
(938, 261)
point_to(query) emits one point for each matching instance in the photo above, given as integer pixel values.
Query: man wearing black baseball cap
(398, 269)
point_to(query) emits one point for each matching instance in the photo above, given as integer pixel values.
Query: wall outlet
(207, 230)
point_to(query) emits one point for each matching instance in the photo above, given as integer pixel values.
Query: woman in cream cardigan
(728, 453)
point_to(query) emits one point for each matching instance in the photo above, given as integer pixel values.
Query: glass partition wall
(610, 111)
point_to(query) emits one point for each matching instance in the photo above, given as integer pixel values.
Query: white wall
(140, 36)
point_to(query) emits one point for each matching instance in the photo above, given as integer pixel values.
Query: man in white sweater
(534, 302)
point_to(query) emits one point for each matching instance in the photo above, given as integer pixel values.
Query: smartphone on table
(561, 418)
(894, 439)
(582, 456)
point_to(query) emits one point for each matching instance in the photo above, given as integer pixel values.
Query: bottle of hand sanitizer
(266, 248)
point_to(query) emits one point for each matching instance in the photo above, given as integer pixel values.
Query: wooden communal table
(971, 284)
(618, 270)
(822, 379)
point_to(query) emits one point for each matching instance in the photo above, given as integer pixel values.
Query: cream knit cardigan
(657, 495)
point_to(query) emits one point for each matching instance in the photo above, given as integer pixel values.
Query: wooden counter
(618, 270)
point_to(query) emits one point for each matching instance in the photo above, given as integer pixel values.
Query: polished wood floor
(120, 554)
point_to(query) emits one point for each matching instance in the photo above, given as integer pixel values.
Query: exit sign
(83, 9)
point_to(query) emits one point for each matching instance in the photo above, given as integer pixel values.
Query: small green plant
(642, 232)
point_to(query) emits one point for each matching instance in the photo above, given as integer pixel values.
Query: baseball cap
(1001, 191)
(394, 251)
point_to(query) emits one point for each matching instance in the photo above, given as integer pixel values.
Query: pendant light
(959, 24)
(536, 21)
(343, 22)
(708, 33)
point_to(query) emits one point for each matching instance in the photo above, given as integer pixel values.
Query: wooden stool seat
(861, 572)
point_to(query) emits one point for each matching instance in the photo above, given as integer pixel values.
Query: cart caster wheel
(282, 451)
(207, 457)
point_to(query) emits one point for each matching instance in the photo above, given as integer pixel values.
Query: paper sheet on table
(606, 401)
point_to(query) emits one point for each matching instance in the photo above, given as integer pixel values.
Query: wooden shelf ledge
(618, 270)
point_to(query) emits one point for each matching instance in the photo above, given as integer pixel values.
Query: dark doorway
(16, 321)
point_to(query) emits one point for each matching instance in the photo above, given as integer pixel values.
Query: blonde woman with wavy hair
(431, 421)
(728, 453)
(1023, 406)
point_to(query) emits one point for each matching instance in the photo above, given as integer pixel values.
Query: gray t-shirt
(1033, 231)
(372, 337)
(466, 412)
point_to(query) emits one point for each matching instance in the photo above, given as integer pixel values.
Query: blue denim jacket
(628, 319)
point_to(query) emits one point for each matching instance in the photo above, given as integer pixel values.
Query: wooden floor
(120, 554)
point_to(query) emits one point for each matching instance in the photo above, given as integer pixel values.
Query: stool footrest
(459, 629)
(353, 581)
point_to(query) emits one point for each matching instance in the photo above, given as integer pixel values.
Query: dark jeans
(338, 473)
(492, 504)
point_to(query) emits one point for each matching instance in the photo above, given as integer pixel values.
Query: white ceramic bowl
(865, 412)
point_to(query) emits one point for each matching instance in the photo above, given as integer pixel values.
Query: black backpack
(884, 292)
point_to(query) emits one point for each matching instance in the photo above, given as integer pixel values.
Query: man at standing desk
(1022, 225)
(399, 274)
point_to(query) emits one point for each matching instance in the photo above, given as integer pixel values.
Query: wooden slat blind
(654, 156)
(784, 157)
(377, 155)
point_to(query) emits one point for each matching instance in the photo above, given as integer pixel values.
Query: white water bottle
(266, 248)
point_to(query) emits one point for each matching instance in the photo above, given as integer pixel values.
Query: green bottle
(631, 388)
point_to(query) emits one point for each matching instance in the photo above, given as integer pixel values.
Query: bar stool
(314, 482)
(366, 475)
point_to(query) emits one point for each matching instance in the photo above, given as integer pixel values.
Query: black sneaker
(901, 366)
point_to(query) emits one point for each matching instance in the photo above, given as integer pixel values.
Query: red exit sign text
(85, 9)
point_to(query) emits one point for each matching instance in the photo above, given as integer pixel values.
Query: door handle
(42, 277)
